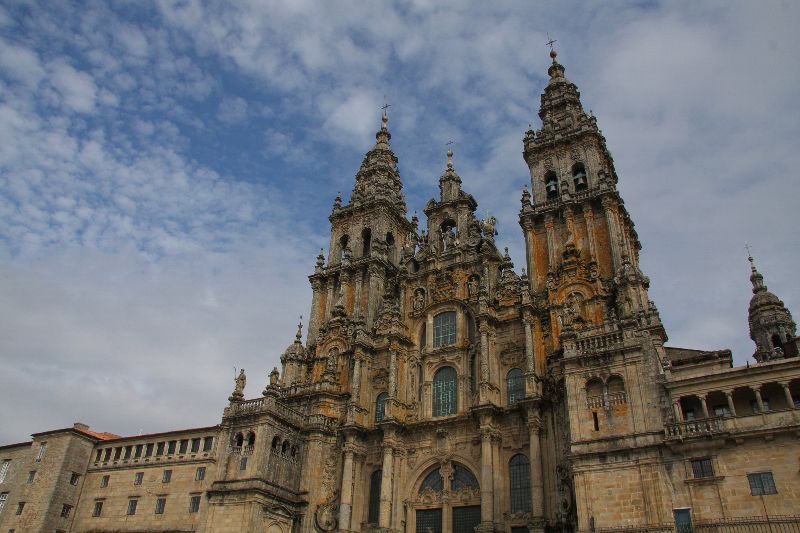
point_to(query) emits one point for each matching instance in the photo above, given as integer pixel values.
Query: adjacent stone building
(439, 389)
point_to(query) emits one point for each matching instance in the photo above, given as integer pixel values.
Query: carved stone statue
(488, 225)
(472, 286)
(241, 381)
(419, 299)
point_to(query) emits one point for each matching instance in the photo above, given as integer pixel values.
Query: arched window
(615, 385)
(239, 440)
(594, 388)
(579, 177)
(432, 481)
(445, 392)
(374, 497)
(462, 477)
(551, 185)
(515, 385)
(776, 341)
(390, 247)
(343, 245)
(444, 329)
(251, 439)
(380, 406)
(366, 240)
(275, 442)
(519, 474)
(285, 447)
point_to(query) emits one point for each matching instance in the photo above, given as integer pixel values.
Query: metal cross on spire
(550, 41)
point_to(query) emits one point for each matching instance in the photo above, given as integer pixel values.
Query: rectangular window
(148, 451)
(4, 470)
(107, 455)
(167, 476)
(184, 446)
(40, 454)
(74, 478)
(200, 474)
(137, 479)
(171, 447)
(20, 507)
(208, 443)
(117, 453)
(194, 503)
(98, 455)
(138, 453)
(683, 520)
(3, 498)
(128, 452)
(243, 463)
(31, 476)
(195, 445)
(444, 329)
(132, 503)
(104, 481)
(160, 504)
(762, 483)
(98, 508)
(702, 468)
(160, 448)
(66, 509)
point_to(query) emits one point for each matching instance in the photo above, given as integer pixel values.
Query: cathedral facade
(438, 389)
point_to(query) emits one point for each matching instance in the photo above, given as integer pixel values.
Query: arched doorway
(448, 500)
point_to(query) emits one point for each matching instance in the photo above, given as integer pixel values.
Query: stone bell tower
(771, 325)
(598, 339)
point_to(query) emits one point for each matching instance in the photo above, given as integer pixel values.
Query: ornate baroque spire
(771, 325)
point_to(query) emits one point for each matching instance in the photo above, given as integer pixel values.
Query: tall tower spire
(771, 325)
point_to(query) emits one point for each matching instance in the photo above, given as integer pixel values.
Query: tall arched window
(551, 185)
(374, 512)
(380, 406)
(445, 392)
(343, 240)
(444, 329)
(251, 439)
(239, 440)
(519, 474)
(579, 177)
(515, 385)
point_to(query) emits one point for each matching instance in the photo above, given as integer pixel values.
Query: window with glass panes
(519, 475)
(445, 392)
(380, 406)
(702, 468)
(374, 497)
(429, 521)
(444, 329)
(762, 483)
(515, 386)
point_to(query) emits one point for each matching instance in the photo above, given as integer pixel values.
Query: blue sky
(167, 169)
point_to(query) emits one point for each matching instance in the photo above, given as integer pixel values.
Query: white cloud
(77, 88)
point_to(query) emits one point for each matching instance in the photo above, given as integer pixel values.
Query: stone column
(677, 411)
(344, 280)
(386, 486)
(731, 408)
(329, 301)
(357, 297)
(313, 319)
(484, 351)
(529, 343)
(759, 401)
(375, 293)
(703, 406)
(487, 484)
(788, 393)
(609, 209)
(551, 253)
(356, 384)
(537, 483)
(588, 215)
(346, 505)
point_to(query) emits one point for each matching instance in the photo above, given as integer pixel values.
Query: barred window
(444, 329)
(208, 443)
(515, 384)
(445, 392)
(132, 503)
(161, 503)
(429, 521)
(374, 497)
(200, 473)
(137, 478)
(519, 473)
(702, 468)
(98, 508)
(433, 481)
(4, 469)
(104, 480)
(167, 476)
(3, 498)
(762, 483)
(380, 406)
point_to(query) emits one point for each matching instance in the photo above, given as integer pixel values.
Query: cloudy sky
(167, 168)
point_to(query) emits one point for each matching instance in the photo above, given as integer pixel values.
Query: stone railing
(600, 342)
(279, 409)
(617, 398)
(602, 401)
(694, 428)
